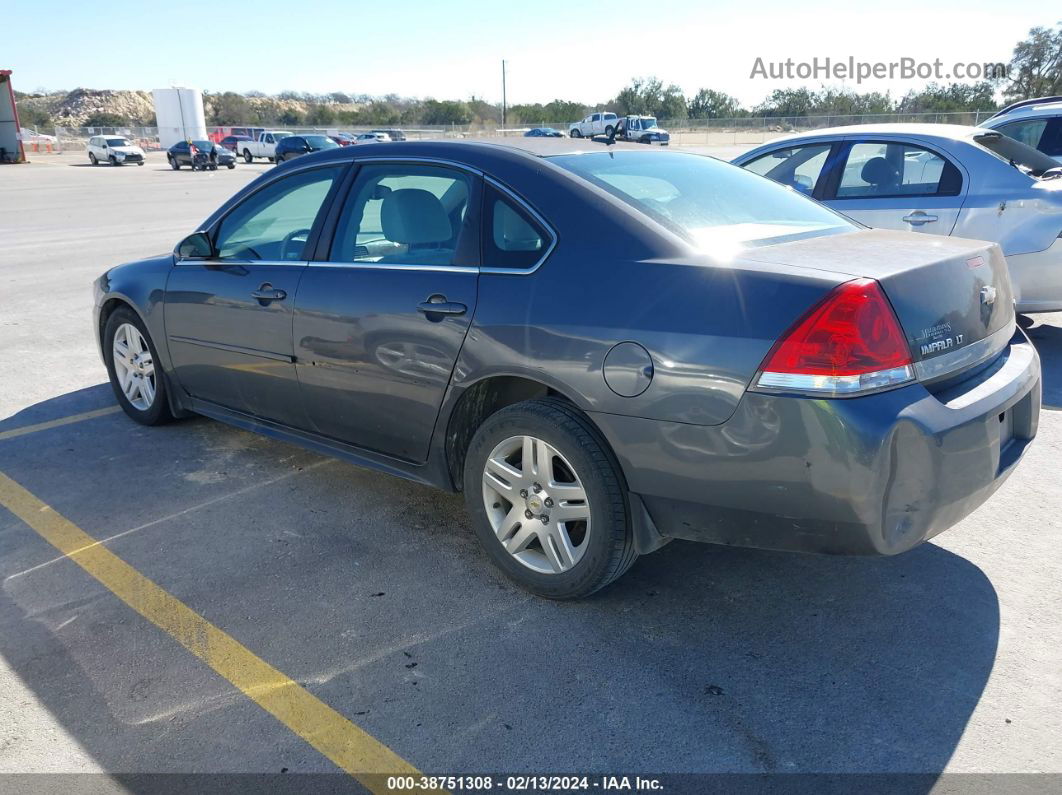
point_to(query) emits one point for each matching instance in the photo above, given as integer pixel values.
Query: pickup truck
(600, 123)
(263, 146)
(642, 129)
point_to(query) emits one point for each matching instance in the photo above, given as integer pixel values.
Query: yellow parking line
(43, 426)
(350, 747)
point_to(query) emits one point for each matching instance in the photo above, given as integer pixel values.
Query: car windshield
(320, 141)
(648, 122)
(118, 142)
(205, 145)
(717, 206)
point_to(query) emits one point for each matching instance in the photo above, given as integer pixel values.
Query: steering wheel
(290, 238)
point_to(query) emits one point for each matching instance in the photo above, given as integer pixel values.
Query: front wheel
(93, 160)
(232, 165)
(609, 130)
(547, 500)
(135, 376)
(176, 166)
(114, 160)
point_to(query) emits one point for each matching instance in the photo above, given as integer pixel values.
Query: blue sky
(575, 49)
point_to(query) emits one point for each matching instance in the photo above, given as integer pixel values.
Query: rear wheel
(247, 156)
(547, 500)
(576, 134)
(93, 160)
(132, 366)
(232, 165)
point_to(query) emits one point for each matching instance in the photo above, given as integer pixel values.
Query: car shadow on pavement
(1048, 341)
(700, 659)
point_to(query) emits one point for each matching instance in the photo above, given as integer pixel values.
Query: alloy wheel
(536, 504)
(134, 367)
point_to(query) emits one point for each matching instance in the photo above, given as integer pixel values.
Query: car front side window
(275, 222)
(798, 166)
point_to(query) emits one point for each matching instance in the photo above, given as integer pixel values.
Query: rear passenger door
(891, 184)
(382, 312)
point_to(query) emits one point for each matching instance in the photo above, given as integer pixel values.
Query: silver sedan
(937, 179)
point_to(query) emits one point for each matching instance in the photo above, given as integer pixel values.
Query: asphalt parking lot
(370, 595)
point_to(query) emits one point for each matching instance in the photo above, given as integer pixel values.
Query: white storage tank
(180, 115)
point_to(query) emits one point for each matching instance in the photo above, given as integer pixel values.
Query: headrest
(878, 171)
(412, 216)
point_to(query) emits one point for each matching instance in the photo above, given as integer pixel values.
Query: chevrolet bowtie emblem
(988, 294)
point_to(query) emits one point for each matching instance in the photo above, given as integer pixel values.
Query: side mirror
(196, 246)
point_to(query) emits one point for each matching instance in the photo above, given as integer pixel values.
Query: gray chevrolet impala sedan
(604, 348)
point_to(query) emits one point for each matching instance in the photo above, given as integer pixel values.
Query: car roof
(949, 132)
(1042, 106)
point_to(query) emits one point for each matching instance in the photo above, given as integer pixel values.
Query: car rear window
(713, 204)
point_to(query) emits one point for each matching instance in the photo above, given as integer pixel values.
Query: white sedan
(938, 179)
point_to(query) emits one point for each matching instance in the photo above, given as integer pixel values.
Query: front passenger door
(228, 318)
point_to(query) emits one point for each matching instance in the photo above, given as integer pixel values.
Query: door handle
(267, 293)
(917, 218)
(438, 305)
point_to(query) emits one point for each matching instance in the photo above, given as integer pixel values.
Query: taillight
(850, 342)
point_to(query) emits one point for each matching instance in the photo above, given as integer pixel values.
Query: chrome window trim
(973, 354)
(395, 266)
(417, 159)
(289, 263)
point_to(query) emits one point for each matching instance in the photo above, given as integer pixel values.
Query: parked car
(392, 134)
(1034, 122)
(114, 149)
(372, 138)
(262, 146)
(600, 123)
(543, 132)
(936, 179)
(641, 129)
(297, 145)
(233, 142)
(754, 369)
(200, 155)
(343, 138)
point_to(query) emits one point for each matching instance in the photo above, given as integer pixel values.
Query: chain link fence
(739, 131)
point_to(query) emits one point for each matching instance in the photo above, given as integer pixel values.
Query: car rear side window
(406, 215)
(273, 223)
(798, 167)
(512, 238)
(877, 170)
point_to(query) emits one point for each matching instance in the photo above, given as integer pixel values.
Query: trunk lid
(952, 296)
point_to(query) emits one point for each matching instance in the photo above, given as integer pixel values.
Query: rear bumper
(1037, 279)
(869, 475)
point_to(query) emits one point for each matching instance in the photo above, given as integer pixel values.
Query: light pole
(503, 94)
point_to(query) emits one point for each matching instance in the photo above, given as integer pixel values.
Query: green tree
(445, 112)
(1036, 66)
(106, 119)
(711, 104)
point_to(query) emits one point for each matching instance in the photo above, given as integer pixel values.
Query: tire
(140, 163)
(609, 130)
(247, 156)
(157, 411)
(576, 134)
(93, 160)
(232, 165)
(174, 163)
(271, 159)
(113, 160)
(579, 457)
